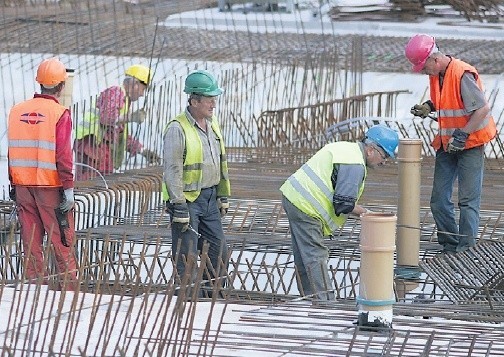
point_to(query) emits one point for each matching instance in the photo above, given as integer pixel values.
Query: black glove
(422, 110)
(343, 204)
(223, 204)
(168, 207)
(12, 193)
(457, 141)
(180, 215)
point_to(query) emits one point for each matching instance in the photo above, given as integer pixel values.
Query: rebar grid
(330, 325)
(158, 323)
(301, 327)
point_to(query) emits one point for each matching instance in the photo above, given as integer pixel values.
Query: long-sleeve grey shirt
(174, 153)
(347, 179)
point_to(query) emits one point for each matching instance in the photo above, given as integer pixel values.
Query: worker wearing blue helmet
(321, 194)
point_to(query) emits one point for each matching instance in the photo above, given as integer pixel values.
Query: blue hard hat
(384, 137)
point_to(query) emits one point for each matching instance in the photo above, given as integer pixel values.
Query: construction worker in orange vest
(465, 125)
(40, 172)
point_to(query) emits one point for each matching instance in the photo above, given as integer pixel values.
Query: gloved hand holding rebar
(223, 204)
(151, 156)
(138, 116)
(423, 110)
(180, 215)
(457, 141)
(68, 200)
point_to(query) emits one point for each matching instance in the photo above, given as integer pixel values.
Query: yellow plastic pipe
(409, 159)
(376, 287)
(66, 98)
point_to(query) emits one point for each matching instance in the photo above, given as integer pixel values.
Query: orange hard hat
(51, 72)
(418, 50)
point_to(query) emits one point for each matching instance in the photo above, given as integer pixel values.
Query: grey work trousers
(205, 219)
(311, 255)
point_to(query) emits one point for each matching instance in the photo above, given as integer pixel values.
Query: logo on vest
(32, 118)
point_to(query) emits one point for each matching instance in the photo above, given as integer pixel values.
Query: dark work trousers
(205, 218)
(311, 255)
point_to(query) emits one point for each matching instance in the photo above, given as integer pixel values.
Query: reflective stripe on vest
(310, 188)
(451, 111)
(32, 142)
(326, 217)
(191, 172)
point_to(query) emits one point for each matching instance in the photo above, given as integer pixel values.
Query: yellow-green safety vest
(191, 172)
(310, 188)
(90, 125)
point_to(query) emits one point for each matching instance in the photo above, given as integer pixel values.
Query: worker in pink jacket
(102, 137)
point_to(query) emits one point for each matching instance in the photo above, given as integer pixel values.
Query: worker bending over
(320, 195)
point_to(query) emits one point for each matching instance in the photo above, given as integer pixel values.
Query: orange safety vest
(451, 110)
(32, 142)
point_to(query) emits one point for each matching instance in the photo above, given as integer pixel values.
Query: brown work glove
(152, 157)
(422, 110)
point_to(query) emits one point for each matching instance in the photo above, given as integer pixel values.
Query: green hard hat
(203, 83)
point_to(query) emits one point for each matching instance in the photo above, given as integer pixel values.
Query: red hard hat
(418, 50)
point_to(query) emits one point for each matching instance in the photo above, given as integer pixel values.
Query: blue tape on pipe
(405, 272)
(367, 302)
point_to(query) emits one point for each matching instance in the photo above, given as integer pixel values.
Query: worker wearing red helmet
(319, 196)
(102, 135)
(40, 172)
(465, 125)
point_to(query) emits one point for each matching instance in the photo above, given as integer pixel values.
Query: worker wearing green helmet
(196, 184)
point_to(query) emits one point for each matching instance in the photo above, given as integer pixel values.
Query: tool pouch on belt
(65, 223)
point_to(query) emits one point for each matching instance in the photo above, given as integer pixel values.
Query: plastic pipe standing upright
(409, 159)
(376, 287)
(67, 93)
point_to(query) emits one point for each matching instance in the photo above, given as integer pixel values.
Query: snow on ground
(303, 20)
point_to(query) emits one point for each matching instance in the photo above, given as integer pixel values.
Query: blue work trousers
(311, 255)
(205, 218)
(467, 166)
